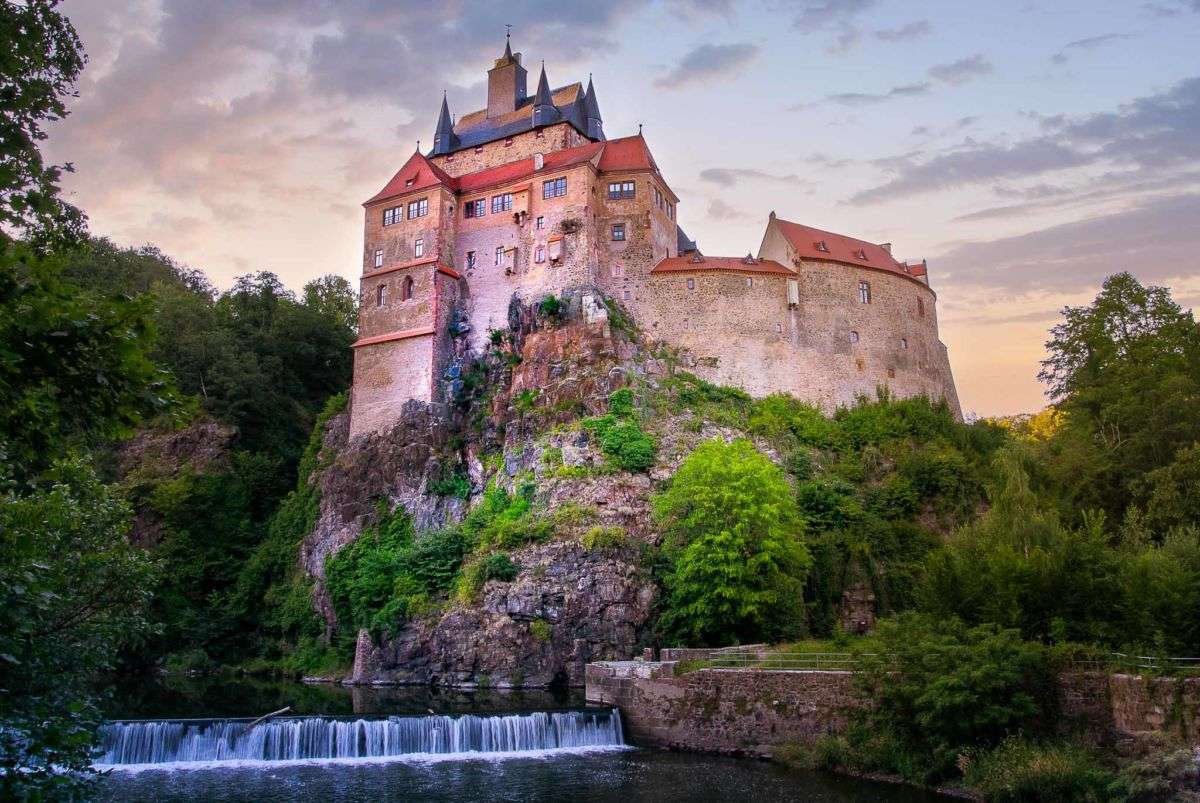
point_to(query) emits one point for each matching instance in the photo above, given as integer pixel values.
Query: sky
(1026, 150)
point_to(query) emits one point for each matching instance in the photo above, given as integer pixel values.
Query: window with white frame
(540, 254)
(691, 284)
(541, 221)
(475, 208)
(618, 232)
(499, 255)
(418, 208)
(618, 190)
(381, 295)
(502, 203)
(419, 247)
(393, 215)
(379, 257)
(854, 337)
(864, 292)
(555, 187)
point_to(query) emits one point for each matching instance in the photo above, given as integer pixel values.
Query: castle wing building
(527, 197)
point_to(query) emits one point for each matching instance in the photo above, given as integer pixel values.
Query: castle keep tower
(527, 197)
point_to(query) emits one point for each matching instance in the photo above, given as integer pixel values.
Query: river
(186, 739)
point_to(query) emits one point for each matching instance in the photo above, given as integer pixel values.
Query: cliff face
(567, 604)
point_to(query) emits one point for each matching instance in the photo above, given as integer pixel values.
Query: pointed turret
(591, 111)
(444, 139)
(544, 111)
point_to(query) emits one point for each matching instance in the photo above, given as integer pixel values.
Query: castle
(527, 198)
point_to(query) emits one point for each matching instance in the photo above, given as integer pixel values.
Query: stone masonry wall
(741, 712)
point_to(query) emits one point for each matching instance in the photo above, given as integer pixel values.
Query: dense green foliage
(73, 592)
(42, 59)
(621, 437)
(941, 689)
(1022, 771)
(733, 546)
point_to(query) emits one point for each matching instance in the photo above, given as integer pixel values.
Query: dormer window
(410, 182)
(861, 254)
(479, 149)
(821, 246)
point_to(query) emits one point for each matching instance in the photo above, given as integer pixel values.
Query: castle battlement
(527, 197)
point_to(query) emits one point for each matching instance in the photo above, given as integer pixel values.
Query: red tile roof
(422, 172)
(810, 243)
(692, 264)
(523, 168)
(628, 153)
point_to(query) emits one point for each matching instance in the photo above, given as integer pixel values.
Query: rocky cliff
(515, 419)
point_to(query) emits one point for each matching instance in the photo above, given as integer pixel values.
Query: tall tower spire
(591, 111)
(506, 82)
(444, 138)
(507, 43)
(544, 111)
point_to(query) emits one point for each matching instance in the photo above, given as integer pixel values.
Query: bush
(1021, 771)
(942, 689)
(540, 630)
(621, 437)
(605, 539)
(499, 566)
(553, 308)
(732, 545)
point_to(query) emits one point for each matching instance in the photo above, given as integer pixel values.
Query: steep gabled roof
(627, 153)
(418, 170)
(698, 263)
(476, 128)
(826, 246)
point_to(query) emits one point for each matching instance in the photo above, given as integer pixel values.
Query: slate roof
(477, 128)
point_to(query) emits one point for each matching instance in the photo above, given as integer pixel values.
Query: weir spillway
(148, 743)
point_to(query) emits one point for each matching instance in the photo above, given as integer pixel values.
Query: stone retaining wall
(752, 711)
(721, 710)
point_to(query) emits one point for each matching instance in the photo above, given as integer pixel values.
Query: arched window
(854, 337)
(406, 289)
(904, 342)
(381, 295)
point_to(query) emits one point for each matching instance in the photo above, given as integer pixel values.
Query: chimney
(886, 247)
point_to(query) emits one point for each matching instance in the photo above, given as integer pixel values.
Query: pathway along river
(187, 740)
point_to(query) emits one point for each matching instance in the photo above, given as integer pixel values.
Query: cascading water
(316, 738)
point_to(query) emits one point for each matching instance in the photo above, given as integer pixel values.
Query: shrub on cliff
(621, 437)
(1022, 771)
(733, 550)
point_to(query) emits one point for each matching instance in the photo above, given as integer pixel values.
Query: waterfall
(316, 738)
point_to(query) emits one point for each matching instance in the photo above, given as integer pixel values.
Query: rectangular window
(921, 307)
(541, 222)
(419, 247)
(618, 231)
(618, 190)
(749, 281)
(625, 295)
(499, 255)
(501, 203)
(554, 188)
(393, 215)
(864, 292)
(379, 257)
(540, 254)
(691, 284)
(418, 208)
(470, 260)
(476, 208)
(618, 271)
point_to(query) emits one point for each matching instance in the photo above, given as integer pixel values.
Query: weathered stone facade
(526, 198)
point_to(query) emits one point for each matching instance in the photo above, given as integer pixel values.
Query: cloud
(1154, 240)
(729, 177)
(833, 15)
(720, 210)
(708, 62)
(1091, 43)
(905, 33)
(869, 99)
(1158, 135)
(1171, 8)
(961, 71)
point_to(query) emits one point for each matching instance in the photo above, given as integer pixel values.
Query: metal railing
(765, 658)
